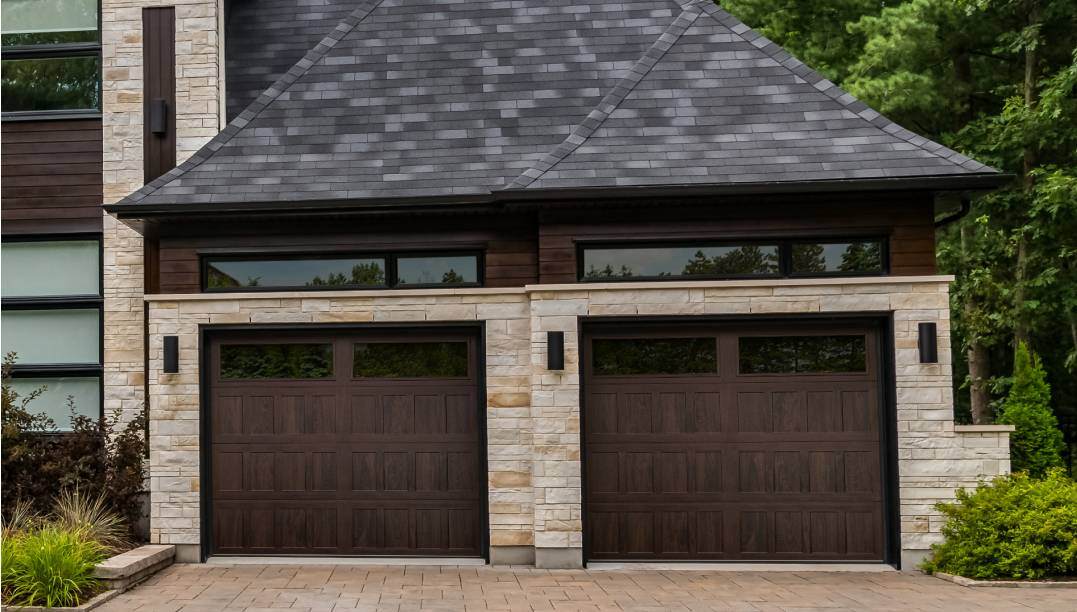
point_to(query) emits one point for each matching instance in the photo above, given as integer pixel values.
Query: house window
(681, 261)
(699, 260)
(861, 257)
(51, 57)
(51, 321)
(373, 271)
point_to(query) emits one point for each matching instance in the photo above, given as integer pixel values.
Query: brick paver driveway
(258, 587)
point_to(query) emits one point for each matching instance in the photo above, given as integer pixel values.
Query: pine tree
(1036, 445)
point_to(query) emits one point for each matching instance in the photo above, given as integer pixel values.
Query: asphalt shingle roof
(424, 98)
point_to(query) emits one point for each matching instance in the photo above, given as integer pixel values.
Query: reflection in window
(251, 361)
(622, 357)
(52, 55)
(437, 270)
(863, 256)
(291, 273)
(680, 261)
(411, 359)
(802, 354)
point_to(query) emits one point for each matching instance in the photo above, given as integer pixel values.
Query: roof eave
(970, 183)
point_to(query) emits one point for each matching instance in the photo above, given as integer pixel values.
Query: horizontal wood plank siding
(51, 176)
(909, 225)
(511, 249)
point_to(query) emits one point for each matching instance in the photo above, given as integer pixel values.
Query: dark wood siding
(159, 54)
(510, 247)
(909, 223)
(51, 177)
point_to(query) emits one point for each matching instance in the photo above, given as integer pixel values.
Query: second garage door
(746, 443)
(364, 443)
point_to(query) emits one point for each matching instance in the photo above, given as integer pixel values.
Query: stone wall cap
(131, 562)
(329, 295)
(564, 287)
(755, 282)
(983, 428)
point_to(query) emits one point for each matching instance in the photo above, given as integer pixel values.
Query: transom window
(375, 271)
(703, 260)
(632, 356)
(802, 354)
(51, 321)
(51, 57)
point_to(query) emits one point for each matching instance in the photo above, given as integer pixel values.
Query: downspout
(966, 206)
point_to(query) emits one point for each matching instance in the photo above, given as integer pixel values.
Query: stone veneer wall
(197, 121)
(533, 415)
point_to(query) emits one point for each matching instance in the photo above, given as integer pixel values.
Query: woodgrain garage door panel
(341, 463)
(725, 465)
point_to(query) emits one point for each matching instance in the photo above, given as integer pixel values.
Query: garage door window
(411, 360)
(802, 354)
(626, 357)
(279, 361)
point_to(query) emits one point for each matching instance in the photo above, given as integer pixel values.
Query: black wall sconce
(929, 343)
(171, 365)
(555, 350)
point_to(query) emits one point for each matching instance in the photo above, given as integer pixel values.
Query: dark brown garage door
(345, 444)
(733, 443)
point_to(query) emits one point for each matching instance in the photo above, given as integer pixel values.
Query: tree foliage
(996, 80)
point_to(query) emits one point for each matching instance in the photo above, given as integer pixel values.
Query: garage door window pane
(51, 268)
(295, 273)
(861, 257)
(680, 261)
(624, 357)
(449, 270)
(85, 392)
(802, 354)
(52, 336)
(411, 359)
(289, 361)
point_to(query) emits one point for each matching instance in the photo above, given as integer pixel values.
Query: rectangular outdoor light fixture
(929, 343)
(171, 354)
(555, 350)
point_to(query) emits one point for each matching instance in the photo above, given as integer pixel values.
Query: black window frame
(59, 51)
(390, 258)
(785, 256)
(66, 302)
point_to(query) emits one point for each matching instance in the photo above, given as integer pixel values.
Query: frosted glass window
(41, 269)
(86, 393)
(52, 336)
(48, 16)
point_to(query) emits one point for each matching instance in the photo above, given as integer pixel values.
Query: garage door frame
(884, 325)
(206, 333)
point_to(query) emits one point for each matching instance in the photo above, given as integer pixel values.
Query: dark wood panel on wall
(908, 221)
(50, 180)
(159, 91)
(510, 245)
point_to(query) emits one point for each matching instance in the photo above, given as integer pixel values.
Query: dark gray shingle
(447, 97)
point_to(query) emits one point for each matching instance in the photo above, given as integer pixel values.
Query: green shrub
(1036, 445)
(49, 566)
(93, 518)
(1014, 527)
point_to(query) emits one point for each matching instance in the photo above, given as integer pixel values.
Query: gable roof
(430, 98)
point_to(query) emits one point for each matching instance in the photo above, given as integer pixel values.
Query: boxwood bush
(1014, 527)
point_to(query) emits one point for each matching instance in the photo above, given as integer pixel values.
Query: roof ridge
(271, 93)
(609, 103)
(839, 95)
